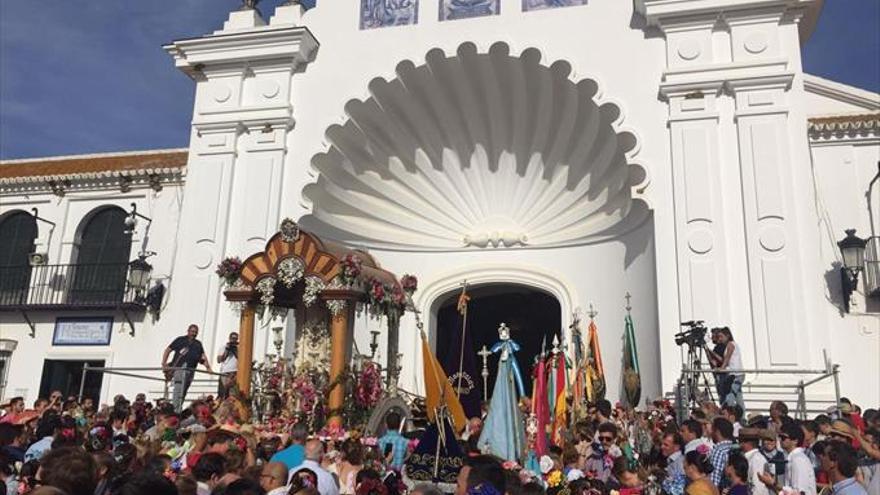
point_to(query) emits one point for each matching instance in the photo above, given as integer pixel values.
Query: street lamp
(139, 274)
(130, 221)
(852, 249)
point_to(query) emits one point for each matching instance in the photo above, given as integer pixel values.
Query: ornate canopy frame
(313, 258)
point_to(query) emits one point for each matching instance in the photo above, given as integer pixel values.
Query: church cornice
(293, 45)
(844, 127)
(667, 13)
(868, 100)
(123, 171)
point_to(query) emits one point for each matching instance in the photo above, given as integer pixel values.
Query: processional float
(324, 283)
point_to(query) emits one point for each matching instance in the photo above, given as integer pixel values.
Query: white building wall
(841, 170)
(141, 349)
(743, 219)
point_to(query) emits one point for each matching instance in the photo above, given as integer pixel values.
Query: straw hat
(842, 428)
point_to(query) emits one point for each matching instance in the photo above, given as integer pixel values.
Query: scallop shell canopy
(477, 150)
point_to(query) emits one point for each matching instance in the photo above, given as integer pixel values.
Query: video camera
(694, 336)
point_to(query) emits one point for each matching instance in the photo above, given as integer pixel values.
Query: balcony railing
(91, 286)
(872, 267)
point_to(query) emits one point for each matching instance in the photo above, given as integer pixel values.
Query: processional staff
(485, 353)
(462, 307)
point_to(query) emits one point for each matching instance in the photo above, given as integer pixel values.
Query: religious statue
(503, 434)
(508, 347)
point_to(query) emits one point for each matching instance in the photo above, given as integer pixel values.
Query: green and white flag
(632, 381)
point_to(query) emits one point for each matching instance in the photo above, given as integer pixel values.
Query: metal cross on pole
(628, 298)
(485, 353)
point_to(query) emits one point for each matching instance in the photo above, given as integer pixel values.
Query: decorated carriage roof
(314, 258)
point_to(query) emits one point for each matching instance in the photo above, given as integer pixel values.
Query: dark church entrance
(532, 315)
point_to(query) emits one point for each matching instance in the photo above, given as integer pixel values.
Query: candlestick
(374, 343)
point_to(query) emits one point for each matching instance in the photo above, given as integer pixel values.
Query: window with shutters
(18, 231)
(101, 258)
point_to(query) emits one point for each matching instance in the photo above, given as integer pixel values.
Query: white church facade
(672, 151)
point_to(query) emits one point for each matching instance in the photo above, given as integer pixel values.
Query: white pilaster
(241, 118)
(729, 76)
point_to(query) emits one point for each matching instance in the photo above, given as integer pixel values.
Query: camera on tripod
(694, 335)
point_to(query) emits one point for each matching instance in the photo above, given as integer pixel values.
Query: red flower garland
(369, 386)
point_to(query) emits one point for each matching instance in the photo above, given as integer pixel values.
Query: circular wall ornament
(203, 257)
(700, 241)
(220, 92)
(755, 43)
(772, 238)
(689, 49)
(269, 89)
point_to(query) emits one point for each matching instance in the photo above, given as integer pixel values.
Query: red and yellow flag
(595, 370)
(559, 414)
(438, 390)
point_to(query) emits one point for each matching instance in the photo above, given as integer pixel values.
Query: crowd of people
(63, 446)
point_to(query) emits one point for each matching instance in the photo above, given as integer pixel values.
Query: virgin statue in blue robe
(503, 430)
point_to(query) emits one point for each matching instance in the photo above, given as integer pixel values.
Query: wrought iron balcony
(872, 267)
(85, 286)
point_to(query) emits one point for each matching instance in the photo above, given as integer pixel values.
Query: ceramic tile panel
(463, 9)
(529, 5)
(385, 13)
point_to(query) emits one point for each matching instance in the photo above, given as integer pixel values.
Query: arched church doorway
(533, 316)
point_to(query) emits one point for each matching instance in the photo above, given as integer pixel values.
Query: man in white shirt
(273, 478)
(314, 452)
(799, 474)
(228, 360)
(748, 443)
(692, 433)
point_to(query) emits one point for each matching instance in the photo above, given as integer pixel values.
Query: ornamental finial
(249, 4)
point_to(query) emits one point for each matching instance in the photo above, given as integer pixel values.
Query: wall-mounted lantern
(852, 249)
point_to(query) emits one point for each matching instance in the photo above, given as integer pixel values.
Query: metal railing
(66, 286)
(831, 371)
(872, 267)
(142, 373)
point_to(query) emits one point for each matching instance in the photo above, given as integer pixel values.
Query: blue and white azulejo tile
(529, 5)
(384, 13)
(463, 9)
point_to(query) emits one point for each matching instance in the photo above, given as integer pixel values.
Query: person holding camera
(188, 353)
(730, 365)
(228, 360)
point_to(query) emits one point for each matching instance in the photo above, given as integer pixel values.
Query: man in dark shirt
(188, 353)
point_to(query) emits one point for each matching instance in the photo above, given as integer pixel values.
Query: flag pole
(462, 308)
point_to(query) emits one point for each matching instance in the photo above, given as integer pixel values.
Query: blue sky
(85, 76)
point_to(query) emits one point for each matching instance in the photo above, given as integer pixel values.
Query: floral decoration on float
(229, 270)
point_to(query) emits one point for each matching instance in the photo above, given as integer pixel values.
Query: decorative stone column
(341, 308)
(393, 345)
(245, 349)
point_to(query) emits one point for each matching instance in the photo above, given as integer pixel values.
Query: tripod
(692, 381)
